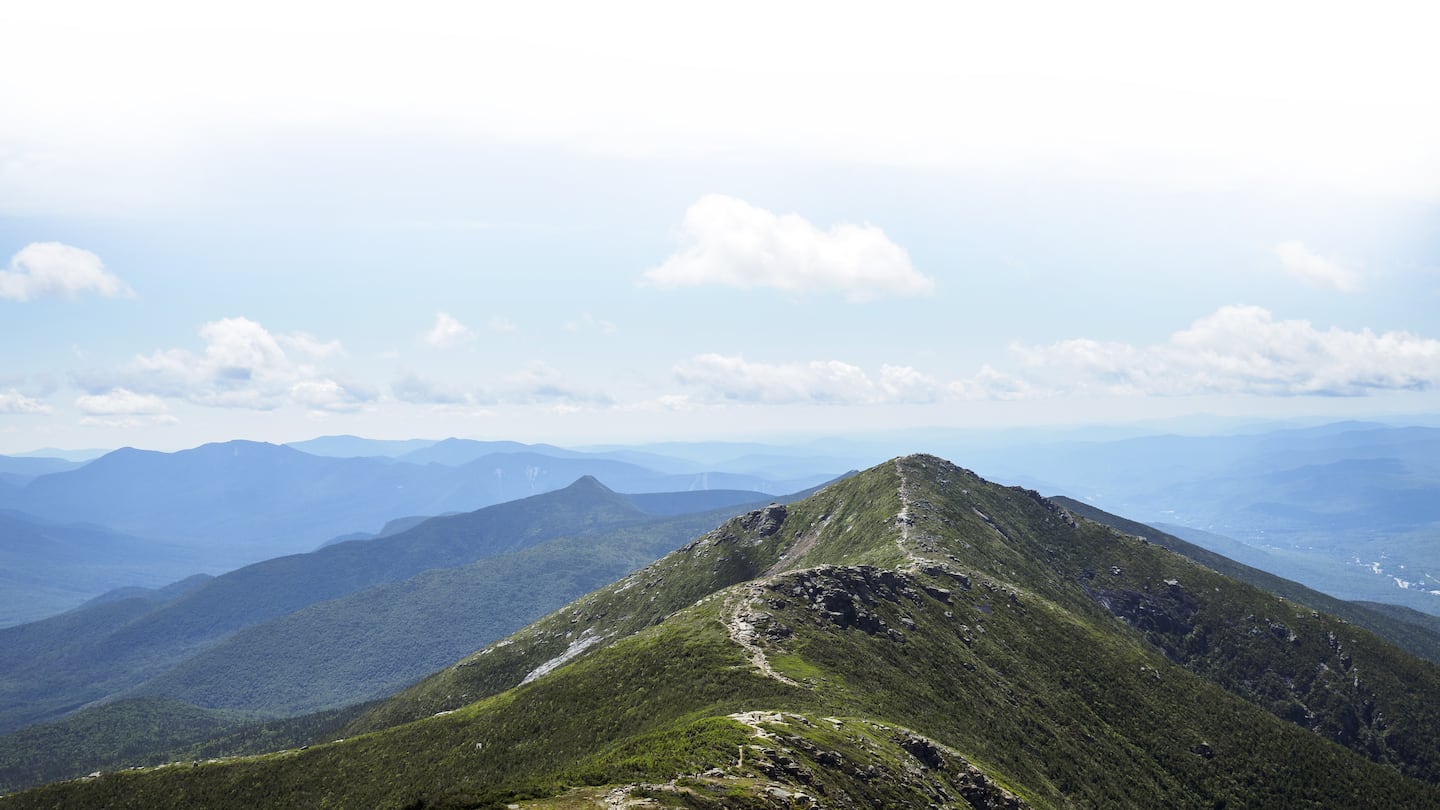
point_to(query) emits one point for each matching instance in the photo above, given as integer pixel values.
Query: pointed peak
(589, 483)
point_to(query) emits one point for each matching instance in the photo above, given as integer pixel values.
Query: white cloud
(1316, 270)
(537, 384)
(43, 269)
(244, 365)
(991, 383)
(129, 422)
(417, 390)
(1237, 350)
(305, 343)
(589, 323)
(329, 395)
(732, 243)
(732, 377)
(13, 401)
(502, 326)
(906, 384)
(447, 332)
(121, 401)
(1242, 350)
(540, 383)
(123, 408)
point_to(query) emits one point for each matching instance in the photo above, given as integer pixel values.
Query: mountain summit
(911, 636)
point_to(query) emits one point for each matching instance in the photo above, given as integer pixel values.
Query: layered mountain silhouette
(217, 507)
(47, 566)
(370, 642)
(912, 636)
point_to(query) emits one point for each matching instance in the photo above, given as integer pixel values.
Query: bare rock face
(764, 522)
(846, 596)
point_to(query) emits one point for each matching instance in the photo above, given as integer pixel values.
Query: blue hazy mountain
(244, 501)
(357, 447)
(23, 469)
(456, 452)
(50, 667)
(48, 567)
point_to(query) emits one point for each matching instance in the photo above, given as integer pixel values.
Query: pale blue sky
(643, 222)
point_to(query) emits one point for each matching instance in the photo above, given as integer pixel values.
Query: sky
(591, 223)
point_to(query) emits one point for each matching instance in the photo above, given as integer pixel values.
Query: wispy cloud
(501, 325)
(12, 401)
(419, 390)
(448, 332)
(1305, 265)
(541, 384)
(43, 269)
(729, 242)
(536, 384)
(590, 323)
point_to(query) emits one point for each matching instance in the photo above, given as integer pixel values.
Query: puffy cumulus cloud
(1243, 350)
(447, 332)
(1314, 269)
(12, 401)
(43, 269)
(244, 365)
(732, 243)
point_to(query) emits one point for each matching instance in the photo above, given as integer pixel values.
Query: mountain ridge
(910, 636)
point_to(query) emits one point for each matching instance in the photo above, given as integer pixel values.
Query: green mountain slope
(373, 642)
(911, 636)
(1415, 632)
(357, 647)
(149, 731)
(54, 666)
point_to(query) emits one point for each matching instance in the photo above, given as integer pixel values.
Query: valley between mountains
(909, 636)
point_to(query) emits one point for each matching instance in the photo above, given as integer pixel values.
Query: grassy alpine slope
(911, 636)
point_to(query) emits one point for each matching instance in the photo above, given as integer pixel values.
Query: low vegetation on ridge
(912, 636)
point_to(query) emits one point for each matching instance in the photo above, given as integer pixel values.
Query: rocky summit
(911, 636)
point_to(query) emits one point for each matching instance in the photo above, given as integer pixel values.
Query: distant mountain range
(219, 506)
(117, 644)
(911, 636)
(1348, 508)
